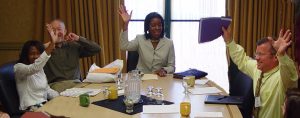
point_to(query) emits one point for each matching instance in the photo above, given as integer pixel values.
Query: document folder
(211, 28)
(191, 72)
(221, 99)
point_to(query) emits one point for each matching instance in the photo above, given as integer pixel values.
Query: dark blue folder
(191, 72)
(223, 99)
(211, 28)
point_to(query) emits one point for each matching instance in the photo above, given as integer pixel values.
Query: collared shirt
(150, 59)
(64, 62)
(274, 82)
(31, 82)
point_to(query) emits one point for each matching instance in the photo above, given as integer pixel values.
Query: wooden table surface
(172, 90)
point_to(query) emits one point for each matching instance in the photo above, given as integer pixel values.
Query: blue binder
(211, 28)
(223, 99)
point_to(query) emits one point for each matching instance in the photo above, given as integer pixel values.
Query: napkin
(205, 90)
(161, 108)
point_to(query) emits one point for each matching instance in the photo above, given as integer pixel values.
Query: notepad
(149, 76)
(211, 28)
(121, 92)
(148, 109)
(201, 82)
(75, 92)
(205, 90)
(209, 115)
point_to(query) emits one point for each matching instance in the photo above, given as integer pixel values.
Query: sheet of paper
(161, 108)
(149, 76)
(121, 92)
(75, 92)
(201, 82)
(205, 90)
(209, 115)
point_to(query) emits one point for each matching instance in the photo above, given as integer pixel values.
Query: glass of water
(119, 81)
(129, 105)
(159, 96)
(185, 84)
(105, 91)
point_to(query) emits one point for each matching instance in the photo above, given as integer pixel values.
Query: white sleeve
(21, 69)
(51, 93)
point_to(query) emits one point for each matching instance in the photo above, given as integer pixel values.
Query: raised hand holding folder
(211, 28)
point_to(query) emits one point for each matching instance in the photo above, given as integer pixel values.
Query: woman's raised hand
(125, 16)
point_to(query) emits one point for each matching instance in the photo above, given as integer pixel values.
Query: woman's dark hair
(292, 103)
(147, 24)
(23, 57)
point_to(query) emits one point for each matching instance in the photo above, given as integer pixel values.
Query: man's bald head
(59, 29)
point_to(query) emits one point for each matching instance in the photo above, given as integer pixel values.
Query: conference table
(172, 90)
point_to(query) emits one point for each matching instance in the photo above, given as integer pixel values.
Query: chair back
(132, 60)
(241, 84)
(8, 92)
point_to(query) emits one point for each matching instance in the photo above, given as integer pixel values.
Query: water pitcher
(133, 86)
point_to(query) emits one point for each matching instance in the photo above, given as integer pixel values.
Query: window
(185, 14)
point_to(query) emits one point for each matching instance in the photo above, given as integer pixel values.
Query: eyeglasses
(258, 54)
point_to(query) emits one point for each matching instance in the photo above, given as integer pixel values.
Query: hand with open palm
(283, 42)
(125, 16)
(54, 37)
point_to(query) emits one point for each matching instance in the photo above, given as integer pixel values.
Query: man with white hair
(63, 69)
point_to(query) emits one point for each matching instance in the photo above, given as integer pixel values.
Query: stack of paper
(161, 108)
(75, 92)
(201, 82)
(106, 70)
(211, 28)
(105, 74)
(205, 90)
(209, 115)
(149, 76)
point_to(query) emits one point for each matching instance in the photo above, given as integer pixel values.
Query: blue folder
(211, 28)
(191, 72)
(223, 99)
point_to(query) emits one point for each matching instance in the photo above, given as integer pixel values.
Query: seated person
(32, 85)
(156, 52)
(291, 106)
(63, 68)
(4, 115)
(272, 71)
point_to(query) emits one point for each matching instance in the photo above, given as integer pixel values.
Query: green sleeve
(288, 71)
(245, 63)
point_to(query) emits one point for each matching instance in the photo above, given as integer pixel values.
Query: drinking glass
(119, 81)
(159, 96)
(150, 93)
(185, 84)
(129, 105)
(105, 91)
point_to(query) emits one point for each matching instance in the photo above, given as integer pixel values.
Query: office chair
(132, 60)
(241, 84)
(8, 92)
